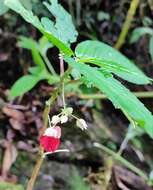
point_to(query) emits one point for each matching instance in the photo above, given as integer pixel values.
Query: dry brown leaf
(3, 56)
(27, 147)
(9, 158)
(127, 180)
(16, 124)
(16, 114)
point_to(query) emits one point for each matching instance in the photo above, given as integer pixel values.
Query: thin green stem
(49, 65)
(121, 160)
(61, 74)
(102, 96)
(63, 96)
(129, 118)
(127, 24)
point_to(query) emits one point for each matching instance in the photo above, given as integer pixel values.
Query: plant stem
(133, 123)
(61, 74)
(35, 173)
(127, 23)
(102, 96)
(49, 65)
(122, 160)
(39, 161)
(38, 164)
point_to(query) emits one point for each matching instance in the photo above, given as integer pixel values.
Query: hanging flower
(50, 140)
(81, 123)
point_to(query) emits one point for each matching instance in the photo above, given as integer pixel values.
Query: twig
(127, 23)
(35, 172)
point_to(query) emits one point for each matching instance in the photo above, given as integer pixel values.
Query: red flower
(50, 140)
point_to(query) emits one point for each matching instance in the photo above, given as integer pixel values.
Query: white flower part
(53, 132)
(64, 119)
(81, 123)
(55, 119)
(69, 110)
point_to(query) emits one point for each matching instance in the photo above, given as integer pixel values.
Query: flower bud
(55, 119)
(64, 119)
(81, 123)
(69, 110)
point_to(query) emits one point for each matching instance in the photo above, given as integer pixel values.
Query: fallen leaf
(126, 180)
(16, 114)
(27, 147)
(3, 56)
(16, 124)
(9, 158)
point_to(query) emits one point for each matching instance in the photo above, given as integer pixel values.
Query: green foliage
(23, 84)
(38, 72)
(103, 16)
(120, 96)
(34, 20)
(9, 186)
(3, 8)
(30, 44)
(139, 32)
(110, 60)
(27, 82)
(63, 28)
(77, 183)
(151, 47)
(61, 33)
(27, 4)
(44, 45)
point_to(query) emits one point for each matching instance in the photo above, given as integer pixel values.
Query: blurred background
(86, 166)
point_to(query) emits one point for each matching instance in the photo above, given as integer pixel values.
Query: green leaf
(26, 14)
(63, 28)
(27, 82)
(44, 45)
(120, 96)
(27, 4)
(34, 20)
(32, 45)
(23, 85)
(103, 16)
(49, 25)
(27, 43)
(35, 70)
(110, 60)
(47, 76)
(151, 47)
(3, 8)
(139, 32)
